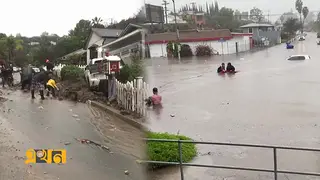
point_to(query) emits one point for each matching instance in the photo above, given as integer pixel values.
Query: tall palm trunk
(301, 28)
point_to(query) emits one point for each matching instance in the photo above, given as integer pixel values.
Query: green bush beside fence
(72, 73)
(169, 151)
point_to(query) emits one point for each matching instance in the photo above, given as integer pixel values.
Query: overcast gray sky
(32, 17)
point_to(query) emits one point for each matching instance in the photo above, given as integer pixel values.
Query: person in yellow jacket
(51, 86)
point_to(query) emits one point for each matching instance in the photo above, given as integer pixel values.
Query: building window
(250, 30)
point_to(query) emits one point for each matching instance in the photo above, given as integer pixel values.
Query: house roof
(103, 32)
(130, 27)
(251, 25)
(189, 36)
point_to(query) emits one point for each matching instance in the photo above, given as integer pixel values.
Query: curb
(118, 115)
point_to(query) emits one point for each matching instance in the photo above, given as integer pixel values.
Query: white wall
(158, 50)
(227, 47)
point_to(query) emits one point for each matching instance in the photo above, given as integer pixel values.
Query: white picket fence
(57, 69)
(131, 96)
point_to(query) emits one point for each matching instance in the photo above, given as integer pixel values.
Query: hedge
(185, 50)
(71, 72)
(168, 151)
(204, 50)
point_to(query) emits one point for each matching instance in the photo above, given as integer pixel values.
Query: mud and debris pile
(2, 99)
(78, 91)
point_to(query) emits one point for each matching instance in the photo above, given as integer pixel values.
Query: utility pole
(193, 5)
(268, 16)
(176, 24)
(165, 3)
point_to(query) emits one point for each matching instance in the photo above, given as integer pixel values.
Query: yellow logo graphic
(48, 156)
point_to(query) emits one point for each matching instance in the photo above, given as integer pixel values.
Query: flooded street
(270, 101)
(53, 124)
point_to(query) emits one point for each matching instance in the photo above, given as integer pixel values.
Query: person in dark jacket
(6, 73)
(221, 69)
(26, 77)
(230, 68)
(38, 82)
(50, 66)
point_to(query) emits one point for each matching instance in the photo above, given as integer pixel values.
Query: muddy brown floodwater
(270, 101)
(53, 124)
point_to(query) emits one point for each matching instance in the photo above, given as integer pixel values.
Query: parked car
(318, 35)
(97, 69)
(299, 57)
(302, 38)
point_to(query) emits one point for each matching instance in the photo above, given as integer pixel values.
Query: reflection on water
(270, 101)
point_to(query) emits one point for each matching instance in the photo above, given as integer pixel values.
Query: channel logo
(48, 156)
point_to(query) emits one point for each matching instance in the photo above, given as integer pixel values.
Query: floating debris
(67, 143)
(87, 141)
(172, 115)
(126, 172)
(75, 116)
(40, 107)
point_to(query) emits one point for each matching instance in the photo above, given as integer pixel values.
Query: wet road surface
(27, 123)
(270, 101)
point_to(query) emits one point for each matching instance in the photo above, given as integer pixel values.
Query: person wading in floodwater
(221, 69)
(231, 68)
(155, 99)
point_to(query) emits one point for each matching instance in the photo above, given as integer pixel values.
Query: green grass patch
(168, 151)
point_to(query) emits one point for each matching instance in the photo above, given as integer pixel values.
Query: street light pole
(176, 25)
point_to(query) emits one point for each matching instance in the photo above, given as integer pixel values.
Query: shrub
(129, 72)
(71, 72)
(185, 51)
(172, 51)
(168, 151)
(204, 50)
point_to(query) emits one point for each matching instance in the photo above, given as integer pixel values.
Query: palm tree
(97, 22)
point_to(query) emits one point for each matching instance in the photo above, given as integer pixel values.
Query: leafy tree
(305, 12)
(13, 44)
(82, 30)
(216, 7)
(256, 14)
(291, 26)
(2, 35)
(225, 18)
(299, 7)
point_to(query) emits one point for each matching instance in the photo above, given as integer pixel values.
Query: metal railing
(275, 169)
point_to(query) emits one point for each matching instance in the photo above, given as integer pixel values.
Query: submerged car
(299, 57)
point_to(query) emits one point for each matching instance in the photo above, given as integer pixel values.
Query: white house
(221, 41)
(97, 38)
(131, 40)
(262, 31)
